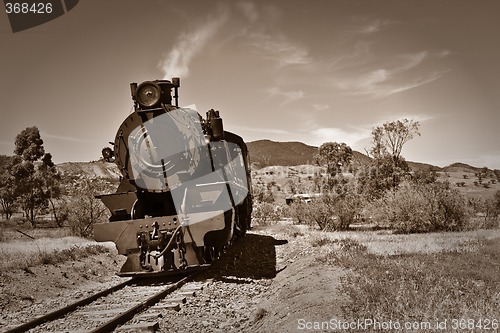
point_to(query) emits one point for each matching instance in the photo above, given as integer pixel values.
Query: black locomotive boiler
(185, 190)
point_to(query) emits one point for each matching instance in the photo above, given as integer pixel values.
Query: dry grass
(434, 276)
(28, 253)
(386, 243)
(15, 234)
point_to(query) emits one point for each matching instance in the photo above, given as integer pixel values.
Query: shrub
(320, 213)
(382, 175)
(330, 212)
(265, 213)
(298, 211)
(347, 208)
(422, 208)
(486, 210)
(86, 210)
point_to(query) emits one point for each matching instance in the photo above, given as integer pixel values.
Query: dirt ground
(285, 284)
(28, 293)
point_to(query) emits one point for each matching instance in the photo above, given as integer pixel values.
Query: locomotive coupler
(152, 245)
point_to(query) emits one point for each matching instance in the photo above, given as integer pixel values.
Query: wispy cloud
(287, 96)
(357, 55)
(279, 49)
(389, 80)
(416, 117)
(372, 26)
(249, 10)
(332, 134)
(261, 130)
(62, 138)
(355, 136)
(320, 107)
(189, 44)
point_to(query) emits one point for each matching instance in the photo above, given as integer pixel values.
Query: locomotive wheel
(137, 210)
(243, 218)
(212, 253)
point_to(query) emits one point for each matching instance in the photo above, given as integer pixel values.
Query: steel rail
(67, 309)
(129, 314)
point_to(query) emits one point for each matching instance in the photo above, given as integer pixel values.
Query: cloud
(369, 27)
(360, 54)
(388, 90)
(62, 138)
(320, 107)
(249, 11)
(288, 96)
(189, 44)
(443, 53)
(415, 117)
(355, 136)
(279, 49)
(261, 130)
(332, 134)
(386, 81)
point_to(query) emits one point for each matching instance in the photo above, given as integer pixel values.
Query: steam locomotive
(185, 190)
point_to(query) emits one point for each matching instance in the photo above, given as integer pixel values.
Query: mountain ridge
(266, 152)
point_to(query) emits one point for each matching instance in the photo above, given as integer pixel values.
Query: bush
(298, 211)
(347, 208)
(320, 213)
(330, 212)
(265, 213)
(85, 209)
(486, 211)
(415, 208)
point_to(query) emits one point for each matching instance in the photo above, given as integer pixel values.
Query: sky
(289, 70)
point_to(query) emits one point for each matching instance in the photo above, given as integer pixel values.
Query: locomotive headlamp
(148, 94)
(107, 154)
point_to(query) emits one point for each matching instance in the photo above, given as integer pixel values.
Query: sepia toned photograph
(249, 166)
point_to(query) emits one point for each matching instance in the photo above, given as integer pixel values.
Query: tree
(86, 210)
(334, 155)
(388, 167)
(26, 187)
(50, 185)
(390, 138)
(34, 173)
(380, 175)
(29, 144)
(7, 197)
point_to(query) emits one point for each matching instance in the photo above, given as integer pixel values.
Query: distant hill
(102, 175)
(90, 170)
(266, 152)
(460, 167)
(415, 166)
(262, 153)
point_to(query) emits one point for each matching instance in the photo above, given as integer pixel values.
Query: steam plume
(188, 45)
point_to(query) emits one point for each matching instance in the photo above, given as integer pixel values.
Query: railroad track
(116, 306)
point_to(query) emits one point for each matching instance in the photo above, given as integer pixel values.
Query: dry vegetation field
(327, 277)
(49, 246)
(448, 280)
(417, 280)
